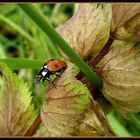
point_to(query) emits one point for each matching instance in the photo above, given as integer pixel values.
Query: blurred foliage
(20, 38)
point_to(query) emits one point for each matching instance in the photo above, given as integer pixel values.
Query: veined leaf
(131, 30)
(17, 112)
(122, 13)
(88, 30)
(41, 131)
(120, 72)
(69, 110)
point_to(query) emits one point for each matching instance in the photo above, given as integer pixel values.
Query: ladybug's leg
(62, 70)
(52, 82)
(43, 80)
(57, 75)
(48, 79)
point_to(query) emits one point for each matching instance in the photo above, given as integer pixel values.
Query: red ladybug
(53, 66)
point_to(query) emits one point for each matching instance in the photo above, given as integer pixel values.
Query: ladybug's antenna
(50, 80)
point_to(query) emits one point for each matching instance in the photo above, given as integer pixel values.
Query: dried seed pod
(122, 13)
(131, 30)
(120, 72)
(88, 30)
(69, 110)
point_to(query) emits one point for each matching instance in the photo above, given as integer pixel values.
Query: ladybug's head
(38, 78)
(43, 73)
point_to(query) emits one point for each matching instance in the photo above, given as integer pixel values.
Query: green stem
(39, 19)
(55, 11)
(76, 5)
(117, 126)
(134, 121)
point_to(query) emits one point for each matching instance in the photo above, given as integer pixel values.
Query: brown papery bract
(88, 30)
(69, 110)
(120, 71)
(131, 30)
(122, 13)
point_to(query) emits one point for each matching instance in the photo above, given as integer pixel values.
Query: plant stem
(102, 53)
(134, 121)
(93, 62)
(75, 9)
(117, 126)
(55, 11)
(34, 126)
(40, 20)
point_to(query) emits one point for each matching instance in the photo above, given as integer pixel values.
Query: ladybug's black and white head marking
(44, 72)
(38, 77)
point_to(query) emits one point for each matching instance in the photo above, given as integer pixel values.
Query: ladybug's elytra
(51, 67)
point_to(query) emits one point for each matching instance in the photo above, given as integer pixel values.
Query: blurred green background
(21, 38)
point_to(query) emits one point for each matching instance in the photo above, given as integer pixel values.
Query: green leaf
(22, 63)
(17, 112)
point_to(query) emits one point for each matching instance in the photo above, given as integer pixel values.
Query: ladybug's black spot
(56, 66)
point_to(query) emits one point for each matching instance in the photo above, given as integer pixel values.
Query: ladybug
(51, 67)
